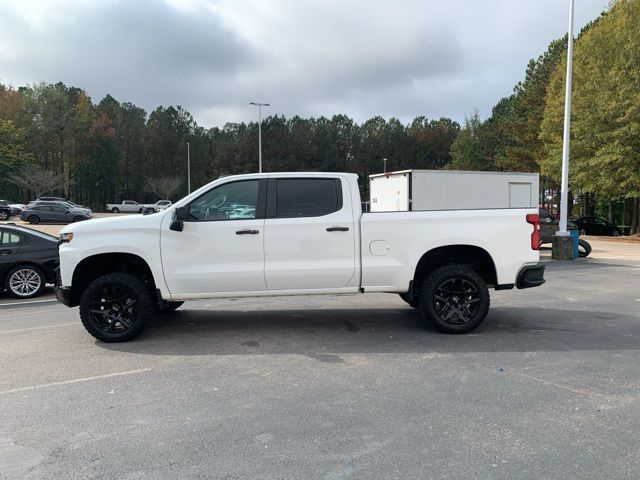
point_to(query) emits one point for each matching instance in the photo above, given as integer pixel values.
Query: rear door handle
(5, 252)
(247, 232)
(338, 229)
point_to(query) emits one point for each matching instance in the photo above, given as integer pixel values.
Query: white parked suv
(293, 234)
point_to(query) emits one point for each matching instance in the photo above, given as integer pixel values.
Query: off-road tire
(432, 306)
(135, 288)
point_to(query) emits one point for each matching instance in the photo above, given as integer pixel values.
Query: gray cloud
(362, 58)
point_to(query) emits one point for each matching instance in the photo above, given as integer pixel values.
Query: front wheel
(115, 210)
(25, 281)
(454, 298)
(78, 218)
(116, 307)
(4, 215)
(615, 233)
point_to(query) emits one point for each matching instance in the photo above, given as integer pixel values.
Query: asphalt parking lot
(335, 387)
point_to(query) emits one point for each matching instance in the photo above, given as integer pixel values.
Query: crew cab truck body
(292, 234)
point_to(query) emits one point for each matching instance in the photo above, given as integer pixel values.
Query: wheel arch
(476, 258)
(97, 265)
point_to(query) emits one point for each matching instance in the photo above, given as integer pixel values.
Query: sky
(362, 58)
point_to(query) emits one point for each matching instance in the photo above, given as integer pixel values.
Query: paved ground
(335, 387)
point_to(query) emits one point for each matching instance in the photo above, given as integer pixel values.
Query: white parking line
(18, 330)
(77, 380)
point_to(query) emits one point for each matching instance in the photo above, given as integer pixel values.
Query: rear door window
(307, 197)
(10, 239)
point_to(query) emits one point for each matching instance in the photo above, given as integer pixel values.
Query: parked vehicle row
(28, 260)
(54, 212)
(129, 206)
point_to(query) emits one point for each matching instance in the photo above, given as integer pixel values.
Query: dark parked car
(53, 212)
(28, 259)
(549, 227)
(596, 226)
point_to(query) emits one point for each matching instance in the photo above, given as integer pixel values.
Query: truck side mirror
(181, 213)
(179, 216)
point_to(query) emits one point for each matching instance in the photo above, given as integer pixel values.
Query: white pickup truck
(292, 234)
(127, 206)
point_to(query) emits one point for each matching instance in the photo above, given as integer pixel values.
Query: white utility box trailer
(416, 190)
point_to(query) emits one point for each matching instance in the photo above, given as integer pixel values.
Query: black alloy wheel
(116, 307)
(33, 219)
(454, 298)
(4, 215)
(78, 218)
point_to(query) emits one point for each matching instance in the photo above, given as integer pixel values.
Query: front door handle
(338, 229)
(247, 232)
(5, 252)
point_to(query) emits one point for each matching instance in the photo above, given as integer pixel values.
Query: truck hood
(114, 223)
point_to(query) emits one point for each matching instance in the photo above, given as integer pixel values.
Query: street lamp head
(258, 104)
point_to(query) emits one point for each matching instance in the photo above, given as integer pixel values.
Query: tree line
(54, 139)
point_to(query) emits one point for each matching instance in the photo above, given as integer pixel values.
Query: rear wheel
(33, 219)
(454, 298)
(4, 215)
(116, 307)
(583, 231)
(78, 218)
(24, 281)
(615, 233)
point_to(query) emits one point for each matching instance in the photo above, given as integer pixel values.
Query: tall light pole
(259, 105)
(188, 169)
(562, 230)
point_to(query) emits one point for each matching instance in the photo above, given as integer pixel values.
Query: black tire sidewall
(436, 278)
(587, 248)
(33, 220)
(139, 290)
(4, 215)
(40, 273)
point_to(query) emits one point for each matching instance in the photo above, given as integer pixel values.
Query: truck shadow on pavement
(324, 334)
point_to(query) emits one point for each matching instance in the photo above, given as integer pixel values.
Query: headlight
(65, 238)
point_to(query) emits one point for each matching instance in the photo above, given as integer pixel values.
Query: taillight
(534, 219)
